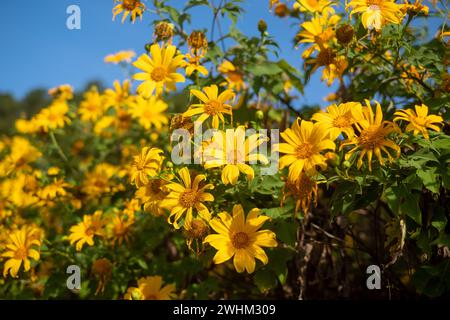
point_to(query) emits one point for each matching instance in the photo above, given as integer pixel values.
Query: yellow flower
(53, 190)
(415, 8)
(150, 288)
(84, 232)
(159, 70)
(214, 105)
(192, 64)
(305, 141)
(371, 137)
(92, 107)
(149, 112)
(241, 238)
(21, 245)
(334, 66)
(21, 155)
(20, 190)
(186, 197)
(53, 171)
(232, 151)
(26, 126)
(102, 269)
(313, 5)
(118, 97)
(146, 165)
(62, 92)
(133, 7)
(53, 117)
(151, 196)
(319, 31)
(410, 72)
(232, 75)
(303, 190)
(99, 181)
(119, 228)
(338, 119)
(121, 56)
(419, 120)
(102, 124)
(376, 13)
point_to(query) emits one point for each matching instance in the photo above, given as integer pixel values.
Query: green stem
(58, 147)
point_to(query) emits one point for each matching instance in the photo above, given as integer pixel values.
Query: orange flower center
(240, 240)
(234, 76)
(158, 74)
(130, 4)
(420, 122)
(89, 231)
(342, 121)
(304, 151)
(325, 57)
(188, 198)
(21, 253)
(213, 107)
(371, 138)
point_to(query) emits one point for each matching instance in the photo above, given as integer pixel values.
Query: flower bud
(259, 114)
(262, 26)
(281, 10)
(345, 34)
(163, 31)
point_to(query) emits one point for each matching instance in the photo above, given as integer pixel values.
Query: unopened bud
(262, 26)
(259, 114)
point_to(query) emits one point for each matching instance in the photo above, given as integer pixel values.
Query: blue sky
(39, 51)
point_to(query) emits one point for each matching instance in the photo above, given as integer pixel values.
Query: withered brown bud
(198, 229)
(326, 57)
(197, 40)
(344, 34)
(180, 122)
(163, 31)
(281, 10)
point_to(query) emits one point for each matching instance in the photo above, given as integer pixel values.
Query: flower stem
(58, 147)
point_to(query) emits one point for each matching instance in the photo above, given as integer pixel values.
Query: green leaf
(264, 69)
(279, 212)
(286, 231)
(430, 179)
(265, 280)
(439, 220)
(410, 207)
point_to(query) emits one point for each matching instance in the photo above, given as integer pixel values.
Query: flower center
(235, 156)
(52, 117)
(188, 198)
(158, 74)
(421, 122)
(213, 107)
(374, 7)
(240, 240)
(234, 76)
(371, 137)
(90, 231)
(130, 4)
(304, 151)
(325, 57)
(21, 253)
(342, 121)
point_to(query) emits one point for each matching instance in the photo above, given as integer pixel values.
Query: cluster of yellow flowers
(186, 198)
(325, 33)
